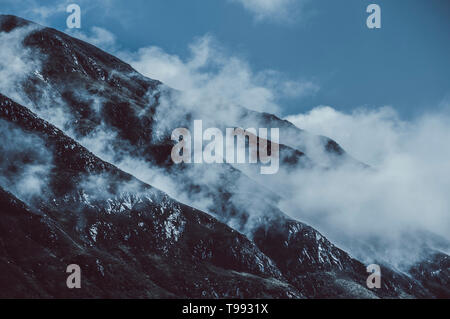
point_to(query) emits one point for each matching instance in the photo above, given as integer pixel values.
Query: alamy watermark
(74, 279)
(374, 19)
(230, 149)
(74, 19)
(374, 279)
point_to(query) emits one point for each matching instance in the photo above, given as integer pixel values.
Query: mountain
(130, 239)
(87, 102)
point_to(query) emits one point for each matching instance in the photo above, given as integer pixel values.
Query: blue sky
(405, 64)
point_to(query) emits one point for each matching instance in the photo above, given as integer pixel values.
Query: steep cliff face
(91, 98)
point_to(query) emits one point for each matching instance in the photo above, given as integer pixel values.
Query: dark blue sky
(405, 64)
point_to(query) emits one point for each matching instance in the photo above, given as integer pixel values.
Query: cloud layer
(406, 189)
(25, 171)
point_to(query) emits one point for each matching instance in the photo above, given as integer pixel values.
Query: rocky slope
(130, 239)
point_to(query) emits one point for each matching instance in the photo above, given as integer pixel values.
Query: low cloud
(211, 74)
(96, 36)
(25, 168)
(405, 190)
(370, 135)
(16, 62)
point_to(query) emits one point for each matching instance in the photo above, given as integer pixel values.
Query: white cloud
(16, 62)
(407, 188)
(42, 13)
(275, 10)
(210, 74)
(380, 128)
(25, 171)
(97, 36)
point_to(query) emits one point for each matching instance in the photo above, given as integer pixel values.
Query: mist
(25, 164)
(404, 191)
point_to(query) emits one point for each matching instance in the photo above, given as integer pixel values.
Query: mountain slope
(130, 239)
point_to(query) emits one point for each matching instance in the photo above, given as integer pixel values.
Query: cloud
(285, 11)
(25, 170)
(16, 62)
(209, 73)
(406, 190)
(42, 13)
(380, 128)
(285, 87)
(96, 36)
